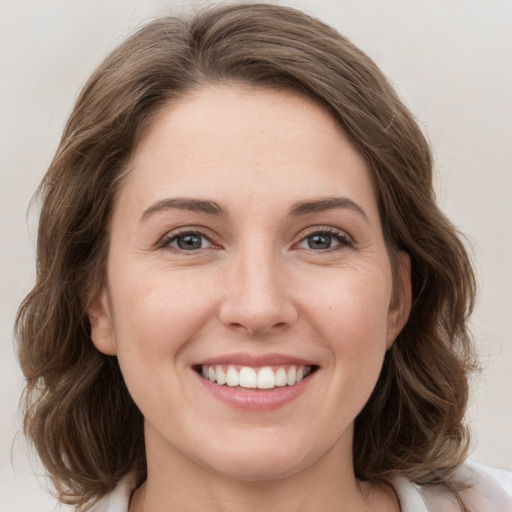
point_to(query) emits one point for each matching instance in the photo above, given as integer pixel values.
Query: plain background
(450, 61)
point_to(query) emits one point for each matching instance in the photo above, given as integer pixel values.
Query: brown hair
(78, 412)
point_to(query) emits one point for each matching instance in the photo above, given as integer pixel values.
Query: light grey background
(451, 62)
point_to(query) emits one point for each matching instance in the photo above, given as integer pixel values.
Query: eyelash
(343, 240)
(168, 240)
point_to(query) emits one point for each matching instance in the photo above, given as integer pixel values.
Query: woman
(246, 295)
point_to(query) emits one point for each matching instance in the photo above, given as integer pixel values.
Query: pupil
(189, 242)
(319, 241)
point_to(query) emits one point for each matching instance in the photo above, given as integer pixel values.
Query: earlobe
(102, 333)
(400, 306)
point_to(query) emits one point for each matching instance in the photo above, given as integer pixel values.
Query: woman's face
(246, 249)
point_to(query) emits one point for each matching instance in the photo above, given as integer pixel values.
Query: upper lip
(255, 360)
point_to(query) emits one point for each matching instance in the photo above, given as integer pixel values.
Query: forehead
(233, 142)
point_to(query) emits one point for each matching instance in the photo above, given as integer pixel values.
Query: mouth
(255, 378)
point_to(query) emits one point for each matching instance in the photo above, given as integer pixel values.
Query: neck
(176, 483)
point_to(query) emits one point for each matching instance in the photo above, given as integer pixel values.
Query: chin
(259, 460)
(258, 468)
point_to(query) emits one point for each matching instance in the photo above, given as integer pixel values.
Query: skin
(256, 286)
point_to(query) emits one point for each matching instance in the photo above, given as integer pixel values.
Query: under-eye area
(266, 377)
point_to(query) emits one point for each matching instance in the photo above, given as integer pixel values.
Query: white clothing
(488, 490)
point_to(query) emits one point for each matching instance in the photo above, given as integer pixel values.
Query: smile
(267, 377)
(252, 382)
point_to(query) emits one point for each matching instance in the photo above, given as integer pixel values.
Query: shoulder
(481, 488)
(118, 500)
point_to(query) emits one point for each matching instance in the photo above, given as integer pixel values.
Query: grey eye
(190, 242)
(319, 241)
(323, 241)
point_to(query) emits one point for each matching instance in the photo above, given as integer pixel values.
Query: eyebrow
(213, 208)
(321, 205)
(178, 203)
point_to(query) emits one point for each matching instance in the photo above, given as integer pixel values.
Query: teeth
(221, 376)
(266, 379)
(247, 377)
(291, 376)
(281, 377)
(232, 377)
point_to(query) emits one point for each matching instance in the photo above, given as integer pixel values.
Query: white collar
(489, 488)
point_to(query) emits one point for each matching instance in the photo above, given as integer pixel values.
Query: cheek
(157, 305)
(351, 318)
(354, 309)
(154, 318)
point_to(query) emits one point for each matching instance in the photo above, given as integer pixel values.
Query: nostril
(257, 309)
(256, 330)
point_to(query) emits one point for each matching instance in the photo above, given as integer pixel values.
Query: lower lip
(256, 399)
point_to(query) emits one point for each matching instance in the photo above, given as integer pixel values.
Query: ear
(400, 306)
(100, 318)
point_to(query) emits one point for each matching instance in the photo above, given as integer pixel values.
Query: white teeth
(232, 377)
(281, 377)
(266, 379)
(221, 376)
(247, 377)
(291, 377)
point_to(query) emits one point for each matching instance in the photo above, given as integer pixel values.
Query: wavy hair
(78, 413)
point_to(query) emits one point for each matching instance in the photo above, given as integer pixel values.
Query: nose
(256, 296)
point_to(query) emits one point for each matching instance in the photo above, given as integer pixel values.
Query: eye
(188, 241)
(324, 240)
